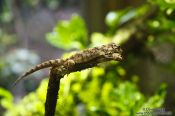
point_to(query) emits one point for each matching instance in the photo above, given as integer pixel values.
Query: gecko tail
(26, 74)
(17, 81)
(43, 65)
(38, 67)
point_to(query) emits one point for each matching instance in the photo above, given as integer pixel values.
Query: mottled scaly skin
(46, 64)
(91, 53)
(109, 51)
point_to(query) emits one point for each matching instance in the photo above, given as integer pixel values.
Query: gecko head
(114, 51)
(115, 48)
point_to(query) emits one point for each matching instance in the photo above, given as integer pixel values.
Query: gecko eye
(120, 48)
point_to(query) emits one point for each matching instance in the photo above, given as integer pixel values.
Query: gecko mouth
(114, 56)
(117, 56)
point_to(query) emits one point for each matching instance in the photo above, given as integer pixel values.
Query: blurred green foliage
(14, 62)
(6, 40)
(5, 12)
(69, 34)
(51, 4)
(6, 99)
(89, 92)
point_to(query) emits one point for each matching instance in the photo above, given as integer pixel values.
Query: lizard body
(109, 51)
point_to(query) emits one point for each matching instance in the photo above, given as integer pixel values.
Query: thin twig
(52, 93)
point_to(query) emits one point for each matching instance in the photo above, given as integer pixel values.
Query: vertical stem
(52, 93)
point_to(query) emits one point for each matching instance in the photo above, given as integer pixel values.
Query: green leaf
(157, 100)
(115, 18)
(69, 34)
(96, 37)
(163, 4)
(7, 99)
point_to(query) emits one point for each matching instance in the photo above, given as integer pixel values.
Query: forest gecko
(106, 52)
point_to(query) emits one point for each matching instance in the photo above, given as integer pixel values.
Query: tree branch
(57, 73)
